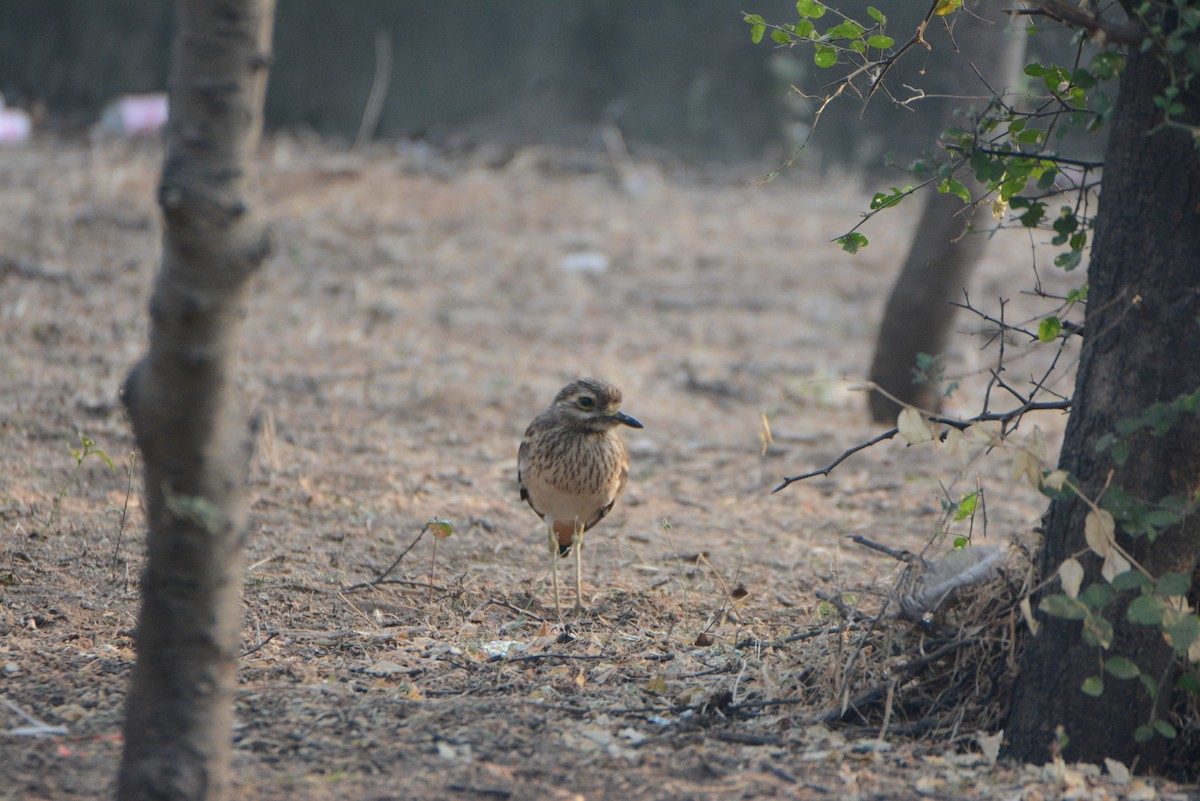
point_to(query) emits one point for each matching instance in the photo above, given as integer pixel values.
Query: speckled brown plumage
(572, 465)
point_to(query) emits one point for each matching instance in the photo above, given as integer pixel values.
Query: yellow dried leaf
(1098, 530)
(985, 432)
(1055, 479)
(913, 427)
(764, 433)
(1026, 466)
(1114, 565)
(1070, 573)
(958, 446)
(946, 7)
(1027, 614)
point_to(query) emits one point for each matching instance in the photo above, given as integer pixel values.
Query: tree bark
(186, 417)
(941, 256)
(1140, 347)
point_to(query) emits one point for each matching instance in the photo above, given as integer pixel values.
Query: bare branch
(1127, 32)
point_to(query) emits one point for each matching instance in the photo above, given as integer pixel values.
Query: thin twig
(379, 87)
(900, 555)
(516, 610)
(270, 636)
(839, 711)
(124, 512)
(380, 579)
(35, 728)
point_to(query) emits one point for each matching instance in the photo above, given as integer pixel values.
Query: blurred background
(679, 78)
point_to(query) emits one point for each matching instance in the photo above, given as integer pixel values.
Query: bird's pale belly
(561, 507)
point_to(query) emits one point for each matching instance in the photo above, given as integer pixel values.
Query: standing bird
(572, 467)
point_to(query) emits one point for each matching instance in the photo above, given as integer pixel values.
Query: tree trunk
(940, 259)
(1140, 347)
(182, 402)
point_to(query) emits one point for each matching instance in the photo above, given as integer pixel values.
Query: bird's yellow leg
(554, 570)
(577, 546)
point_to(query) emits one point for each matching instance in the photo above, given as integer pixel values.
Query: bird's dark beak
(621, 417)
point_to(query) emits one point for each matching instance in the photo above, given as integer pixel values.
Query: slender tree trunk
(941, 257)
(1141, 346)
(192, 432)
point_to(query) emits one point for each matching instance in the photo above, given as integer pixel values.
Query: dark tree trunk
(1141, 346)
(193, 435)
(940, 259)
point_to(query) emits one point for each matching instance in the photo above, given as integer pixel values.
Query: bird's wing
(600, 513)
(522, 453)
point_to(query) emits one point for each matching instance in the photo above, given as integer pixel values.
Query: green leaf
(956, 188)
(757, 27)
(877, 15)
(1097, 630)
(880, 41)
(1104, 443)
(1183, 632)
(846, 30)
(1034, 215)
(1049, 329)
(1121, 668)
(883, 200)
(1064, 607)
(1107, 64)
(960, 543)
(852, 243)
(1165, 729)
(967, 506)
(805, 29)
(1093, 686)
(1046, 179)
(1190, 683)
(1096, 596)
(810, 9)
(1064, 226)
(825, 56)
(1150, 684)
(1146, 610)
(1131, 580)
(1173, 584)
(1142, 734)
(1068, 261)
(780, 37)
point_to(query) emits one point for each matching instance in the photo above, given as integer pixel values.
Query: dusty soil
(417, 314)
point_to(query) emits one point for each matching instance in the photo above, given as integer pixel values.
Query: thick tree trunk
(1141, 346)
(940, 259)
(188, 423)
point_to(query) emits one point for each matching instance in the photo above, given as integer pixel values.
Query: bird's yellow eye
(586, 403)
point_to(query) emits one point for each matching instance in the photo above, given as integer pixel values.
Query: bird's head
(593, 404)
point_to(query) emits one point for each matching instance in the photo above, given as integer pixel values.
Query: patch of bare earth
(415, 317)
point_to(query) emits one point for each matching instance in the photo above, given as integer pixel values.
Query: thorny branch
(1008, 419)
(952, 422)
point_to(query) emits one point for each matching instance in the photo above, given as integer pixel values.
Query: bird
(572, 467)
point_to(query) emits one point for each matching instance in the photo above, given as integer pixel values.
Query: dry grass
(415, 317)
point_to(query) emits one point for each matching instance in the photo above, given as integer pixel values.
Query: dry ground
(418, 312)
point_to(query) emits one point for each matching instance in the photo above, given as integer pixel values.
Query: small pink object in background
(135, 115)
(15, 125)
